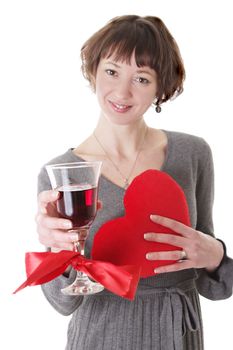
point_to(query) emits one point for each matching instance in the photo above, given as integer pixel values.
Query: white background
(47, 107)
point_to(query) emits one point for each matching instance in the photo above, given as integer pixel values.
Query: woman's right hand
(52, 230)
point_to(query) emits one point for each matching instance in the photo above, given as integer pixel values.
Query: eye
(110, 72)
(142, 80)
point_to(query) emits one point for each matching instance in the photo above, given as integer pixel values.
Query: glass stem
(82, 276)
(79, 246)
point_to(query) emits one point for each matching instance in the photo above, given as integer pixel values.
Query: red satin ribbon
(44, 267)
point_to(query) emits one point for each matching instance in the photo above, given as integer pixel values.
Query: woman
(132, 63)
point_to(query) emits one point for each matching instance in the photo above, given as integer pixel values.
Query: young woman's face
(124, 91)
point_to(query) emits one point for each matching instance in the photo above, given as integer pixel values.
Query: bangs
(139, 41)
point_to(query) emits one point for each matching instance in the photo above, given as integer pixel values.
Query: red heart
(121, 241)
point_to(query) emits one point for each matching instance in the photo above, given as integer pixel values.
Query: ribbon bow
(45, 266)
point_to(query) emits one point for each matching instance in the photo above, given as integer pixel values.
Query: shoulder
(190, 152)
(189, 144)
(66, 157)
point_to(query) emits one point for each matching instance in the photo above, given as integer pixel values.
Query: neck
(121, 140)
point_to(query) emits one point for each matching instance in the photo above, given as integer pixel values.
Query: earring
(158, 109)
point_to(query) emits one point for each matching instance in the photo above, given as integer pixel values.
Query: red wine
(77, 203)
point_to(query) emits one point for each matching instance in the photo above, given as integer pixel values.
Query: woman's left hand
(201, 250)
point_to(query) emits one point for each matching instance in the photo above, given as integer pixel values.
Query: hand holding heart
(122, 242)
(202, 250)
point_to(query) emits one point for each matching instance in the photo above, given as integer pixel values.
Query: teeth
(120, 106)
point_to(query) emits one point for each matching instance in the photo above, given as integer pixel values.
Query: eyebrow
(113, 63)
(138, 71)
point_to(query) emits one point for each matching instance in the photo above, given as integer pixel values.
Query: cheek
(101, 85)
(146, 94)
(101, 95)
(146, 99)
(100, 92)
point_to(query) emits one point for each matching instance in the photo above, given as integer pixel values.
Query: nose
(123, 90)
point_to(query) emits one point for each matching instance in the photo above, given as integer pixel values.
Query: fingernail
(146, 235)
(148, 256)
(153, 217)
(74, 237)
(67, 224)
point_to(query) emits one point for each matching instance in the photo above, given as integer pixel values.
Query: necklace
(125, 178)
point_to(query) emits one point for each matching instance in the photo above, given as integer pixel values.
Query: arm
(64, 304)
(216, 284)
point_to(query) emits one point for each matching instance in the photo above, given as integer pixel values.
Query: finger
(169, 255)
(178, 241)
(57, 239)
(178, 266)
(174, 225)
(46, 197)
(62, 246)
(53, 223)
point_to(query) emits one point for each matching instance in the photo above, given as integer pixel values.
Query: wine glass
(77, 184)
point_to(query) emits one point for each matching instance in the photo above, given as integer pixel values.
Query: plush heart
(121, 241)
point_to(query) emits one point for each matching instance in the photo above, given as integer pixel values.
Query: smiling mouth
(120, 107)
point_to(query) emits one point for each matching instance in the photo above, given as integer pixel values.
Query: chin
(122, 119)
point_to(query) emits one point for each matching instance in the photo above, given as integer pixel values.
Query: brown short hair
(152, 43)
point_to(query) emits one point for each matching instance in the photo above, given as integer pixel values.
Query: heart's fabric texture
(121, 241)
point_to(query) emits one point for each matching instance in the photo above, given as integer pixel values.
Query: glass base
(83, 286)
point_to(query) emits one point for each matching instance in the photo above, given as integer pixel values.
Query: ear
(154, 101)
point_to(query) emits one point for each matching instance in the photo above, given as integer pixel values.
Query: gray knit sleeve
(217, 285)
(64, 304)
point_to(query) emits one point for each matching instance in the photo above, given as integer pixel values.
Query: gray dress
(165, 314)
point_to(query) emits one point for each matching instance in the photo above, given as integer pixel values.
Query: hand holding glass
(77, 184)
